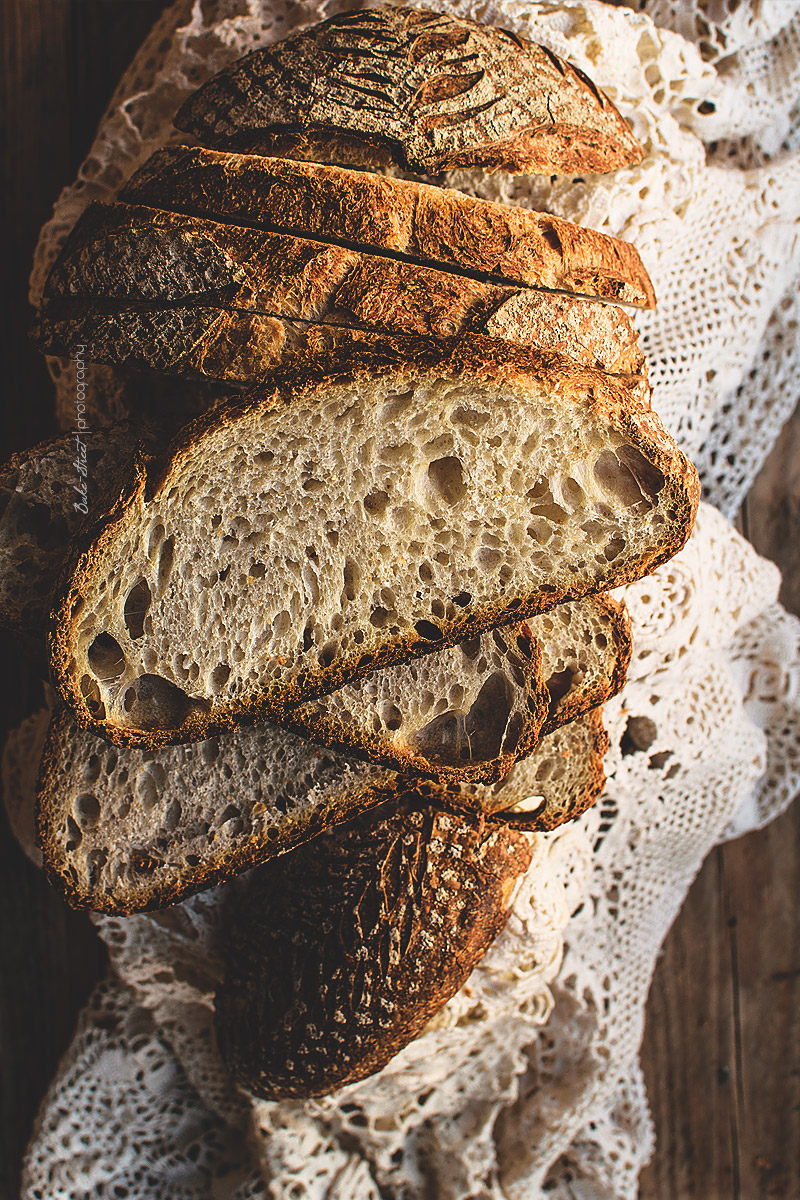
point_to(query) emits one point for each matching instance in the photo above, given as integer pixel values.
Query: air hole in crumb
(572, 492)
(154, 703)
(87, 810)
(136, 608)
(106, 658)
(352, 579)
(514, 729)
(477, 736)
(327, 654)
(429, 631)
(91, 772)
(525, 645)
(391, 716)
(446, 476)
(74, 836)
(147, 790)
(166, 557)
(462, 599)
(376, 503)
(559, 684)
(628, 475)
(155, 539)
(220, 676)
(470, 648)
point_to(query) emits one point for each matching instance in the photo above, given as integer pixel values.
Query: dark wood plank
(721, 1050)
(60, 63)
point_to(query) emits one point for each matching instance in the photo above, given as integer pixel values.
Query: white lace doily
(528, 1084)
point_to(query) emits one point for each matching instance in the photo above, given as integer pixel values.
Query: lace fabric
(527, 1084)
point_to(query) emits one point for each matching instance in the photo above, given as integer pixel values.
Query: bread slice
(432, 226)
(185, 295)
(332, 526)
(424, 90)
(235, 349)
(127, 830)
(463, 714)
(342, 951)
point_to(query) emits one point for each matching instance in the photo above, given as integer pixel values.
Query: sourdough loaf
(374, 927)
(125, 830)
(461, 490)
(433, 226)
(424, 90)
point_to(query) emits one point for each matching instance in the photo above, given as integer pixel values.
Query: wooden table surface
(723, 1024)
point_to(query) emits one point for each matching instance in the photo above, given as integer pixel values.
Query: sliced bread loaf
(344, 949)
(185, 295)
(125, 830)
(425, 90)
(433, 226)
(285, 547)
(232, 348)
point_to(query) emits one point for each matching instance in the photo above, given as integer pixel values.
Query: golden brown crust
(436, 227)
(189, 296)
(474, 358)
(425, 90)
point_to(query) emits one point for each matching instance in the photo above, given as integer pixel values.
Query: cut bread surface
(425, 90)
(461, 714)
(296, 543)
(127, 830)
(466, 712)
(432, 226)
